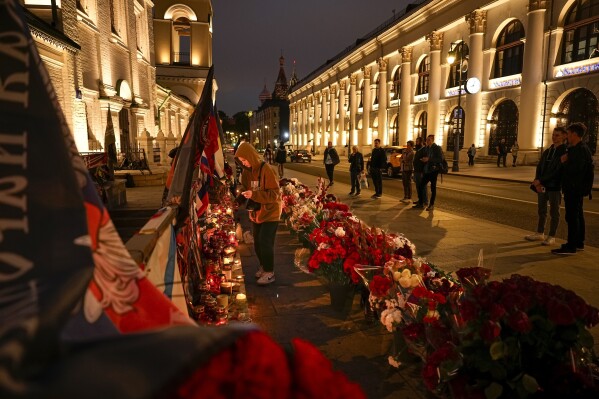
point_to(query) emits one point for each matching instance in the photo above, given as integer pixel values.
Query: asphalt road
(507, 203)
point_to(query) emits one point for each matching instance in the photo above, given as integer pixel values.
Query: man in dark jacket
(432, 163)
(356, 167)
(501, 153)
(419, 174)
(575, 162)
(548, 186)
(331, 158)
(378, 160)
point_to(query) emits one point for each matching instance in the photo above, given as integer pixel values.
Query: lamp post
(458, 51)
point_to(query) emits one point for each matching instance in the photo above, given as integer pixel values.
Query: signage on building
(421, 98)
(507, 81)
(579, 68)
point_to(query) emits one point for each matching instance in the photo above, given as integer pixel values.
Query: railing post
(146, 142)
(161, 141)
(170, 143)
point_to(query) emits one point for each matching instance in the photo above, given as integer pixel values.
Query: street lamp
(458, 51)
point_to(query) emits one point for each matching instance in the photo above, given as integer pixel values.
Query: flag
(110, 144)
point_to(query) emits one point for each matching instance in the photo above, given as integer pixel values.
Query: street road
(508, 203)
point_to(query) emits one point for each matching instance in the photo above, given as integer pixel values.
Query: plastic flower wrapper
(302, 255)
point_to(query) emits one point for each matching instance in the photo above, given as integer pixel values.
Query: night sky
(249, 35)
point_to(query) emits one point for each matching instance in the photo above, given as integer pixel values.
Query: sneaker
(406, 201)
(580, 247)
(373, 196)
(564, 250)
(549, 241)
(430, 208)
(357, 195)
(260, 272)
(535, 237)
(351, 193)
(266, 278)
(378, 196)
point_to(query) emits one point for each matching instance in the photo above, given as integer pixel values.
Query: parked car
(393, 167)
(301, 156)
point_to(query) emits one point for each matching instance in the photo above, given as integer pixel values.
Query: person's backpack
(588, 177)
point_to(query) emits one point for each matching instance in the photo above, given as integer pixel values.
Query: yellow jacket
(268, 194)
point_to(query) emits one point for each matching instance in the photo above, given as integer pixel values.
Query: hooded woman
(259, 182)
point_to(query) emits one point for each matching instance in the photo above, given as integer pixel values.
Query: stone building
(269, 124)
(536, 63)
(100, 57)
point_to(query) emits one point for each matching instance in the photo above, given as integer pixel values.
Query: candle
(240, 297)
(229, 211)
(226, 287)
(222, 300)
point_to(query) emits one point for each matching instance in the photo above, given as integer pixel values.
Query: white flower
(354, 219)
(322, 246)
(339, 232)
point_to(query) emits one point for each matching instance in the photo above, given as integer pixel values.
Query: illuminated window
(510, 50)
(396, 84)
(581, 32)
(424, 70)
(360, 103)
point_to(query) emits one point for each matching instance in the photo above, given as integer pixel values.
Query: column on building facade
(325, 117)
(405, 94)
(434, 94)
(532, 75)
(477, 21)
(318, 118)
(342, 114)
(366, 108)
(383, 130)
(353, 110)
(304, 123)
(293, 124)
(333, 96)
(310, 118)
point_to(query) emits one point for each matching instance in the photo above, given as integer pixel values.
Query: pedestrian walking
(501, 153)
(407, 167)
(548, 185)
(419, 175)
(514, 151)
(261, 185)
(471, 155)
(378, 160)
(356, 168)
(331, 158)
(432, 162)
(577, 165)
(268, 155)
(280, 159)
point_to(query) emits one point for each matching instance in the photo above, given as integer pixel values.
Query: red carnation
(380, 285)
(489, 331)
(519, 322)
(559, 313)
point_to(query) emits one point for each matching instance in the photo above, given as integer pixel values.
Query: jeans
(264, 243)
(432, 178)
(281, 170)
(377, 180)
(330, 169)
(355, 181)
(575, 219)
(501, 157)
(406, 177)
(420, 190)
(514, 159)
(470, 160)
(554, 198)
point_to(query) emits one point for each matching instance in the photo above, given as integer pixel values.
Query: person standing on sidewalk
(261, 185)
(419, 175)
(548, 185)
(378, 160)
(268, 155)
(471, 154)
(576, 162)
(280, 159)
(331, 158)
(514, 151)
(432, 162)
(356, 167)
(407, 167)
(501, 153)
(418, 144)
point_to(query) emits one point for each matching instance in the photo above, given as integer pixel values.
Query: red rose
(468, 310)
(559, 313)
(519, 322)
(497, 311)
(489, 331)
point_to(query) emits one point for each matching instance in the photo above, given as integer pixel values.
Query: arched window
(423, 76)
(504, 125)
(581, 31)
(458, 117)
(376, 89)
(422, 126)
(510, 50)
(461, 52)
(582, 106)
(396, 84)
(182, 41)
(395, 131)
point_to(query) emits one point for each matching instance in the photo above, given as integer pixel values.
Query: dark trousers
(575, 219)
(377, 180)
(330, 169)
(432, 178)
(501, 157)
(406, 178)
(420, 190)
(470, 160)
(264, 243)
(354, 175)
(554, 198)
